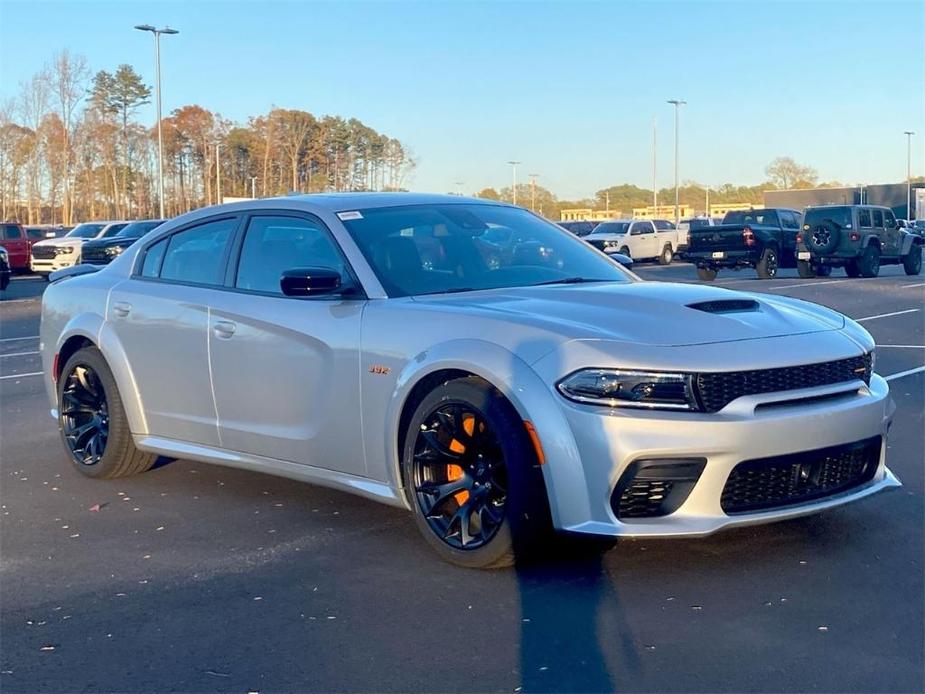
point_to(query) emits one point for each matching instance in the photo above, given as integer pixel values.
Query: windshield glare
(611, 228)
(84, 231)
(432, 249)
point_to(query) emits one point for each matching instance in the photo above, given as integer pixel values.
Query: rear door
(13, 239)
(161, 318)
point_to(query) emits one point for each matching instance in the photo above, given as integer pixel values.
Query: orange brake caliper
(455, 472)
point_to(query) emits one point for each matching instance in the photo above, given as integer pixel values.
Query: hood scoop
(725, 306)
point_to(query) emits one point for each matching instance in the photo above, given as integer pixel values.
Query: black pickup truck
(764, 239)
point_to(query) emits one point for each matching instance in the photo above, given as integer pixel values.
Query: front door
(646, 240)
(286, 370)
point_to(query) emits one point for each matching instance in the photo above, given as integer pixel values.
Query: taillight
(749, 236)
(854, 236)
(799, 238)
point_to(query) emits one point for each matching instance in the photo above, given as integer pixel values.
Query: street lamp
(160, 142)
(909, 134)
(514, 186)
(218, 174)
(677, 103)
(533, 191)
(459, 185)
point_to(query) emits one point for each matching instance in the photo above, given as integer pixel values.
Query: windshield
(840, 215)
(138, 229)
(611, 228)
(114, 229)
(432, 249)
(85, 231)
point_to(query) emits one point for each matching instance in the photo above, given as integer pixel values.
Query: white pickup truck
(640, 239)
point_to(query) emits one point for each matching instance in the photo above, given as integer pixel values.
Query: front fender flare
(533, 399)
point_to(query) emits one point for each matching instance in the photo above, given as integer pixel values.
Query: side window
(789, 220)
(197, 254)
(648, 228)
(151, 266)
(864, 218)
(273, 244)
(13, 232)
(889, 220)
(878, 219)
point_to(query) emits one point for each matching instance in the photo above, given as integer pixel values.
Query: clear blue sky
(570, 89)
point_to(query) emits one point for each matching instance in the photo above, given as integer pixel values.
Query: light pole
(678, 103)
(655, 167)
(459, 185)
(218, 174)
(254, 187)
(160, 141)
(533, 191)
(514, 186)
(909, 134)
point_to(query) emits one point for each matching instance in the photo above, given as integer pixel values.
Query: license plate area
(718, 255)
(803, 255)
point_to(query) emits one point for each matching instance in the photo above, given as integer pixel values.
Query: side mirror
(310, 281)
(624, 260)
(635, 232)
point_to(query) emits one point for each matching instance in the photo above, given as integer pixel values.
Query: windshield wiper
(567, 280)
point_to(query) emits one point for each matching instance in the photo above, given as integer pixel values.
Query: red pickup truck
(18, 244)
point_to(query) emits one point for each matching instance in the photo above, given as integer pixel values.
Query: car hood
(653, 313)
(73, 241)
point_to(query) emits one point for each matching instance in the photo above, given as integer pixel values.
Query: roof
(340, 202)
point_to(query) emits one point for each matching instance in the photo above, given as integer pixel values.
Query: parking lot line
(13, 339)
(916, 370)
(20, 301)
(912, 286)
(904, 346)
(34, 373)
(887, 315)
(810, 284)
(19, 354)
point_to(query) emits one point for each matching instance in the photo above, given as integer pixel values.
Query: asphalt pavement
(196, 578)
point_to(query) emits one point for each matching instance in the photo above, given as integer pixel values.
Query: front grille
(786, 480)
(43, 252)
(716, 390)
(97, 256)
(598, 244)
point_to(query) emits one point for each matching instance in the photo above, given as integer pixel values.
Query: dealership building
(892, 195)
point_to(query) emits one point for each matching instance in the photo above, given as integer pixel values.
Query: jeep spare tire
(823, 238)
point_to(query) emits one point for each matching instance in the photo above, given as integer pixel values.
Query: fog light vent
(652, 488)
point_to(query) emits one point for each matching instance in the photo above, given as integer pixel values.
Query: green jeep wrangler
(859, 238)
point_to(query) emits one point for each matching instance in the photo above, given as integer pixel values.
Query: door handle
(224, 328)
(121, 308)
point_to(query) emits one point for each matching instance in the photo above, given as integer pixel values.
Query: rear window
(838, 215)
(699, 223)
(768, 217)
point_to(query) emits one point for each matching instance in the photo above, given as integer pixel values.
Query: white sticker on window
(347, 216)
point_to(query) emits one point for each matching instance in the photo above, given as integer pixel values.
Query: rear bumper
(729, 259)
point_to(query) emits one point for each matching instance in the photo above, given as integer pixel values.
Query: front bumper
(46, 267)
(752, 427)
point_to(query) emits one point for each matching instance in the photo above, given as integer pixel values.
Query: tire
(869, 262)
(438, 424)
(805, 269)
(706, 274)
(912, 261)
(625, 251)
(767, 264)
(852, 269)
(822, 239)
(823, 270)
(114, 454)
(666, 256)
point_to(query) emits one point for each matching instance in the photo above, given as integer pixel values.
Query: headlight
(4, 256)
(64, 250)
(619, 388)
(610, 244)
(114, 250)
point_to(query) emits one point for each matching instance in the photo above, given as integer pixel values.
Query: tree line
(72, 149)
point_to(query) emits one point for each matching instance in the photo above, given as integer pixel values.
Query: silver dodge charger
(466, 360)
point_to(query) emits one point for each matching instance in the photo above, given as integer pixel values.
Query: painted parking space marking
(887, 315)
(13, 339)
(909, 372)
(19, 354)
(9, 376)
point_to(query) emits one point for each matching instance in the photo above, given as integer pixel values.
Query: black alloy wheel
(767, 265)
(84, 415)
(460, 477)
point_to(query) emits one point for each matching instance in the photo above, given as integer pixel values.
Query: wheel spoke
(442, 492)
(430, 436)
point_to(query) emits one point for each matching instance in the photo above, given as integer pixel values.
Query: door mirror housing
(636, 231)
(310, 281)
(624, 260)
